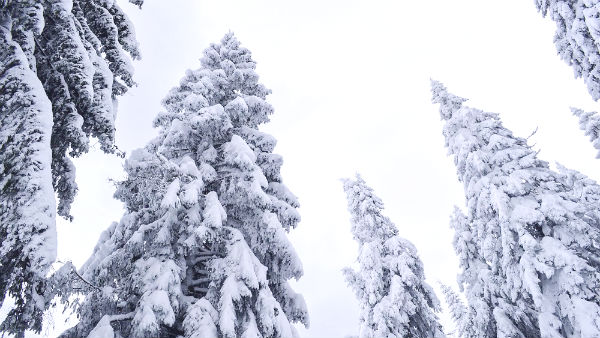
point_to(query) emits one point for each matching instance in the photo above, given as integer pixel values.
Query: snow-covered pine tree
(63, 64)
(202, 250)
(390, 284)
(459, 312)
(528, 246)
(577, 37)
(589, 122)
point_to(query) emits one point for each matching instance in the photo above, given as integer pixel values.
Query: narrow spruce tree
(528, 246)
(202, 250)
(577, 37)
(390, 284)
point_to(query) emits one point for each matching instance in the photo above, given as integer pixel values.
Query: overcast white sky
(350, 83)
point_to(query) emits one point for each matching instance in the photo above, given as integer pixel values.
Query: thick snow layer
(103, 329)
(214, 214)
(239, 153)
(171, 198)
(30, 219)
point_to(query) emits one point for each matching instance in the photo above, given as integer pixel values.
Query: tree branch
(84, 280)
(199, 281)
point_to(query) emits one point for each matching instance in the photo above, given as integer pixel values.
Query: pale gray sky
(350, 83)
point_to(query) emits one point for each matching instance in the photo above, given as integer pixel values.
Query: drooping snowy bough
(577, 37)
(390, 284)
(529, 242)
(202, 250)
(62, 65)
(27, 206)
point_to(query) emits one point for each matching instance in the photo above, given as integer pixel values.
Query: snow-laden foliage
(528, 246)
(586, 190)
(577, 37)
(78, 50)
(475, 273)
(589, 122)
(390, 284)
(27, 206)
(63, 63)
(459, 313)
(202, 250)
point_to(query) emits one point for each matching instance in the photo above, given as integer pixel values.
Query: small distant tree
(390, 284)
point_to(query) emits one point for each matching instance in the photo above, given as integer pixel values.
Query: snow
(171, 198)
(214, 214)
(239, 153)
(191, 192)
(251, 328)
(200, 320)
(103, 329)
(237, 109)
(27, 221)
(230, 292)
(265, 142)
(188, 167)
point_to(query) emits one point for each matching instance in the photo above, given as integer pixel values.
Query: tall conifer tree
(202, 250)
(528, 246)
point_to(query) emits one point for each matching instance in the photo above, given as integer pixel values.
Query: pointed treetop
(230, 40)
(366, 208)
(449, 103)
(229, 49)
